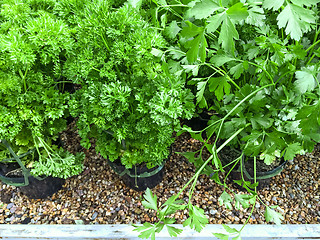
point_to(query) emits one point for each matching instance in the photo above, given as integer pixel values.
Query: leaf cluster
(255, 67)
(128, 101)
(228, 49)
(34, 44)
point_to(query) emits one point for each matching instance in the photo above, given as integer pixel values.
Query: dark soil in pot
(139, 177)
(36, 189)
(199, 122)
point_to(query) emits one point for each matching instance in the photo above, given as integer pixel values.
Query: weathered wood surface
(124, 232)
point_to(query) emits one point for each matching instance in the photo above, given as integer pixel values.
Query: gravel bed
(97, 196)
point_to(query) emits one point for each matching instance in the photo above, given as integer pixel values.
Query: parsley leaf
(305, 80)
(273, 216)
(204, 9)
(296, 19)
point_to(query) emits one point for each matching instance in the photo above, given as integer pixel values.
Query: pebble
(99, 197)
(94, 216)
(213, 212)
(10, 205)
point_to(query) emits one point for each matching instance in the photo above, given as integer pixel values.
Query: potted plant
(255, 66)
(33, 103)
(128, 104)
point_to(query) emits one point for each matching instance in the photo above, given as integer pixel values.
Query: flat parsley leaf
(292, 150)
(204, 9)
(305, 80)
(275, 5)
(197, 46)
(244, 200)
(219, 86)
(150, 200)
(227, 35)
(225, 199)
(172, 30)
(197, 219)
(296, 19)
(273, 216)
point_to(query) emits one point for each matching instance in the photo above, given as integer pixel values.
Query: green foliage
(128, 102)
(231, 232)
(255, 67)
(273, 216)
(34, 44)
(228, 49)
(148, 230)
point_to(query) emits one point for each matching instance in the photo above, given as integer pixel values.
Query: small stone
(10, 205)
(94, 216)
(13, 209)
(213, 212)
(138, 211)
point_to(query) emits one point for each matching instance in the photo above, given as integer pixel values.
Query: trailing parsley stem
(253, 206)
(246, 98)
(196, 175)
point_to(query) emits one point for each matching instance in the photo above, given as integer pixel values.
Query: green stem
(23, 76)
(253, 206)
(246, 98)
(268, 74)
(309, 48)
(196, 175)
(255, 172)
(223, 73)
(234, 165)
(313, 55)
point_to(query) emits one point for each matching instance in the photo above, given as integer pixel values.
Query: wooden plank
(125, 232)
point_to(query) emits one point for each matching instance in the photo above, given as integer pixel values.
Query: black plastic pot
(32, 187)
(262, 177)
(139, 177)
(246, 167)
(39, 189)
(16, 174)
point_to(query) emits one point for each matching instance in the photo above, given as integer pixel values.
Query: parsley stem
(256, 65)
(196, 175)
(253, 207)
(309, 48)
(234, 165)
(246, 98)
(223, 73)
